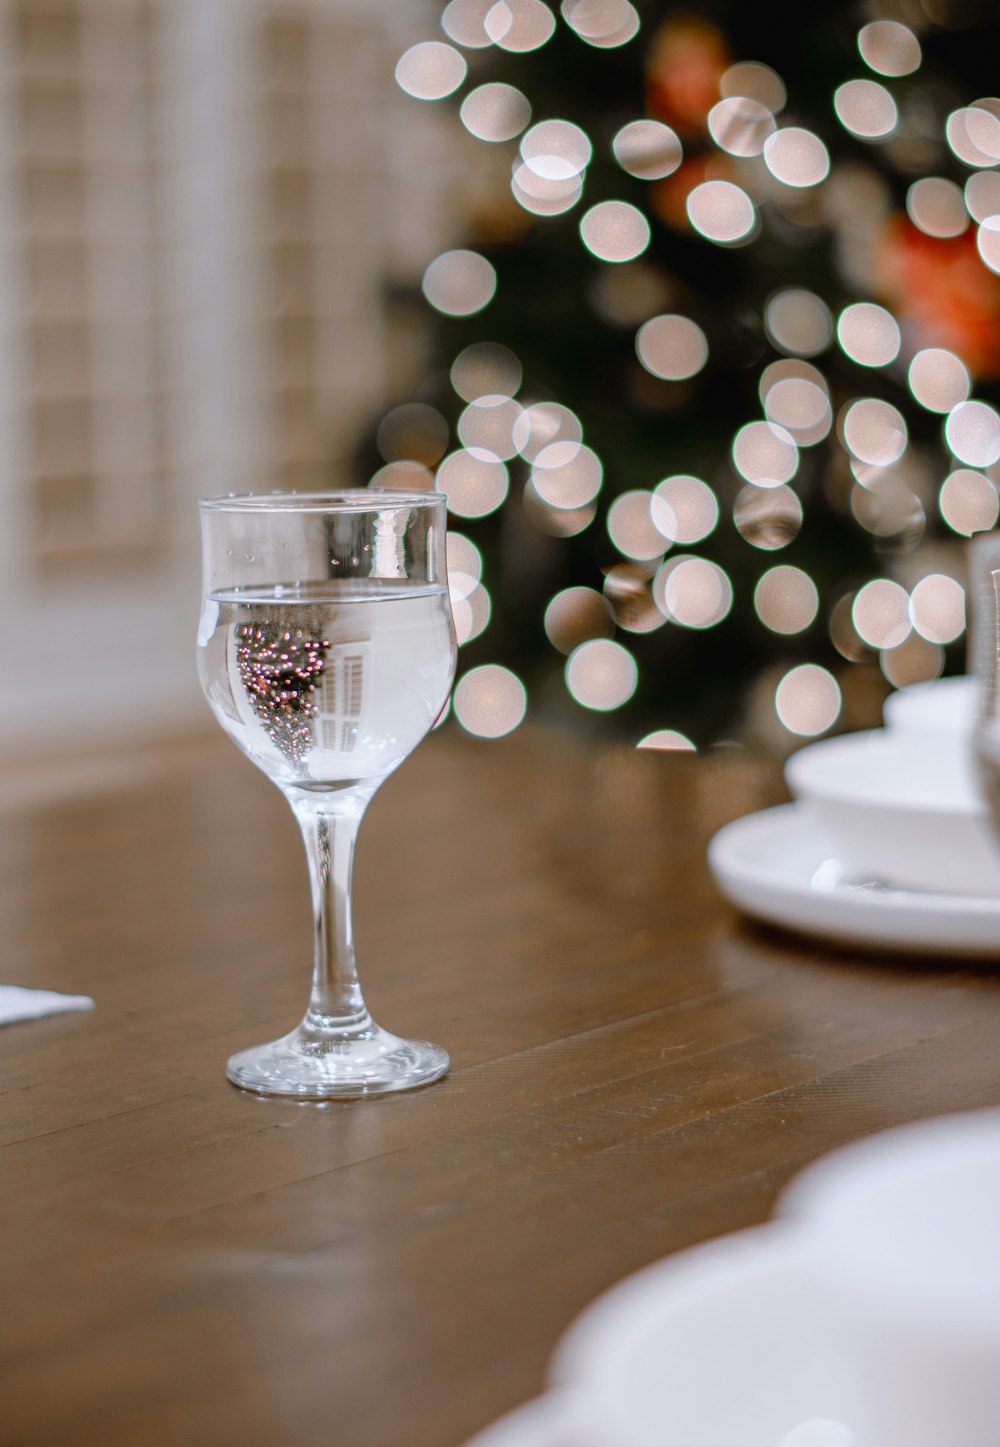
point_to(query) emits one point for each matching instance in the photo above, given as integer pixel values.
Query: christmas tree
(710, 374)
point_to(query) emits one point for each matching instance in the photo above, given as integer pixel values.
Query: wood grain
(633, 1070)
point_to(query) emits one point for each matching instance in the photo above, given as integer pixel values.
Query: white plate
(721, 1346)
(776, 867)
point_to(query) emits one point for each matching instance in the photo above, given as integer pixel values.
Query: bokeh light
(881, 613)
(459, 283)
(969, 503)
(721, 211)
(544, 196)
(799, 322)
(988, 242)
(490, 701)
(866, 109)
(667, 739)
(786, 599)
(475, 482)
(937, 207)
(615, 231)
(495, 112)
(982, 195)
(937, 608)
(887, 507)
(756, 81)
(972, 432)
(601, 675)
(602, 23)
(558, 522)
(684, 509)
(544, 424)
(767, 518)
(959, 134)
(631, 527)
(889, 47)
(982, 124)
(869, 334)
(519, 25)
(794, 395)
(938, 379)
(406, 474)
(874, 431)
(765, 454)
(914, 661)
(672, 347)
(412, 432)
(430, 70)
(694, 592)
(627, 588)
(465, 564)
(556, 150)
(571, 484)
(740, 125)
(797, 157)
(484, 368)
(808, 700)
(576, 615)
(463, 22)
(647, 149)
(488, 424)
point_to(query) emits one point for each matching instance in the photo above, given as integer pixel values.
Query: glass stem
(329, 822)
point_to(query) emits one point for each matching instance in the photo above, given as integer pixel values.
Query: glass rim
(345, 499)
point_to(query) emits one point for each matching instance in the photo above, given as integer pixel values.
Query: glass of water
(326, 650)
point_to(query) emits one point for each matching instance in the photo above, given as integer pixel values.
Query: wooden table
(633, 1070)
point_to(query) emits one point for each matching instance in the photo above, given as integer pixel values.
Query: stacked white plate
(888, 844)
(867, 1314)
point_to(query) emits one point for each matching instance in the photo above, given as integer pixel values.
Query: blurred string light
(972, 431)
(519, 25)
(866, 109)
(459, 283)
(889, 47)
(576, 615)
(938, 379)
(937, 207)
(784, 169)
(796, 157)
(495, 112)
(474, 480)
(486, 368)
(615, 231)
(798, 322)
(786, 599)
(672, 347)
(601, 675)
(649, 150)
(808, 700)
(722, 212)
(969, 503)
(767, 519)
(694, 592)
(869, 334)
(684, 509)
(430, 70)
(490, 701)
(605, 24)
(937, 608)
(667, 739)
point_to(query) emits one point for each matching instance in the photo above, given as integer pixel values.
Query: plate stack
(888, 843)
(866, 1314)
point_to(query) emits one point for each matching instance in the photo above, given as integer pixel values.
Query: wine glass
(326, 650)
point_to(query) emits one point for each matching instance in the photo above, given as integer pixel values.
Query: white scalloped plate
(775, 867)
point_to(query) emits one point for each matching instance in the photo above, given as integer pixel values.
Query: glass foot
(323, 1064)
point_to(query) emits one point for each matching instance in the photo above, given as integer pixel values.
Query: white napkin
(17, 1003)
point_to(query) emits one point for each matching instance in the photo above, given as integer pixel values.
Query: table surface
(634, 1070)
